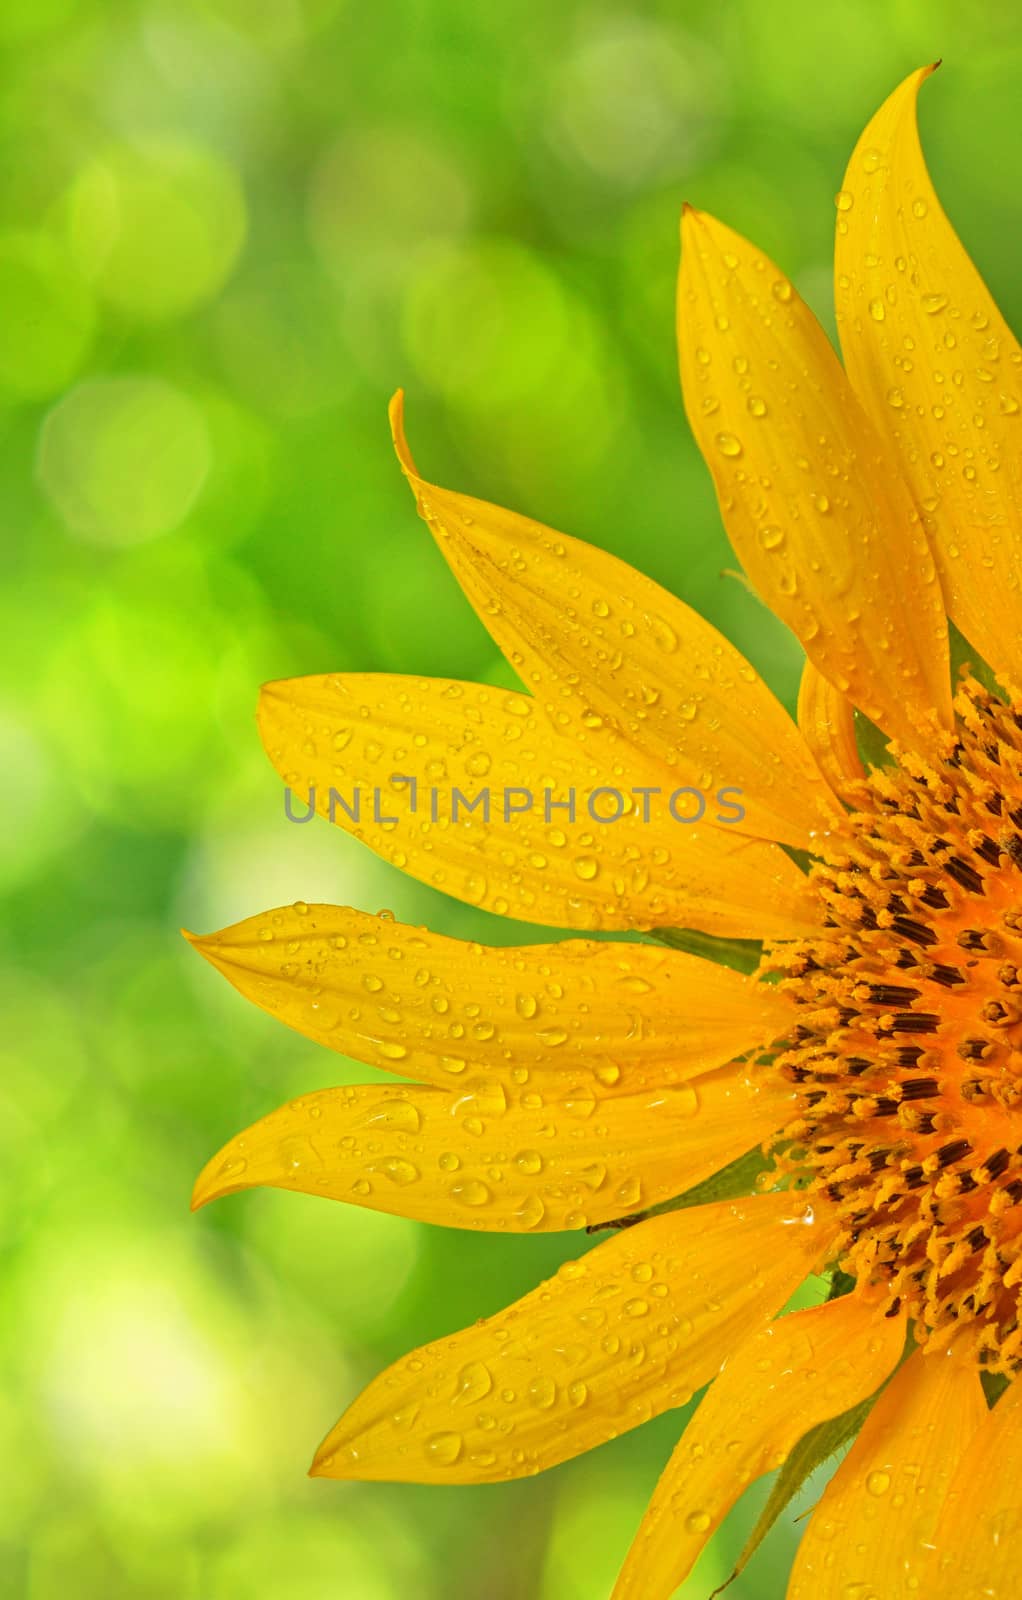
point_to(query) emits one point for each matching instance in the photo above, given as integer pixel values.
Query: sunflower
(851, 1103)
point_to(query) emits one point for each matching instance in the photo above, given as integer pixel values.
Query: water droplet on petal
(771, 538)
(444, 1448)
(529, 1161)
(474, 1382)
(542, 1393)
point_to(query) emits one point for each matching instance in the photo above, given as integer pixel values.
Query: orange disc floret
(907, 1054)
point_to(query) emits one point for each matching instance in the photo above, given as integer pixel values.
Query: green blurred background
(228, 229)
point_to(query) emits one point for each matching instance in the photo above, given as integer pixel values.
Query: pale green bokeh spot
(158, 225)
(501, 336)
(469, 306)
(636, 99)
(127, 752)
(390, 188)
(318, 1561)
(23, 19)
(48, 316)
(279, 343)
(35, 821)
(123, 459)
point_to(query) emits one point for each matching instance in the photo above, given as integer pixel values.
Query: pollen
(907, 1054)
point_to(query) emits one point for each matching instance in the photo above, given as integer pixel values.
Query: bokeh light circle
(123, 459)
(158, 224)
(48, 317)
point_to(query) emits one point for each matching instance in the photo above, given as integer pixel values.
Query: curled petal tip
(919, 77)
(324, 1462)
(204, 943)
(690, 217)
(227, 1173)
(397, 431)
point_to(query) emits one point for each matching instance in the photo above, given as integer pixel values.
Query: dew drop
(529, 1161)
(444, 1448)
(531, 1212)
(474, 1383)
(552, 1036)
(664, 636)
(542, 1393)
(392, 1050)
(684, 1101)
(771, 538)
(396, 1169)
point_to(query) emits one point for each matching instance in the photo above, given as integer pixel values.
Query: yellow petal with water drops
(614, 1338)
(410, 766)
(875, 1529)
(602, 646)
(809, 491)
(599, 1018)
(979, 1540)
(827, 720)
(938, 368)
(791, 1375)
(501, 1159)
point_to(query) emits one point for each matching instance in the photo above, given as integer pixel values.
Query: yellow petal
(599, 645)
(791, 1375)
(349, 733)
(939, 369)
(633, 1327)
(878, 1520)
(827, 721)
(501, 1159)
(979, 1539)
(809, 492)
(594, 1017)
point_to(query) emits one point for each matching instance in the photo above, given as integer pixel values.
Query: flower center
(907, 1056)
